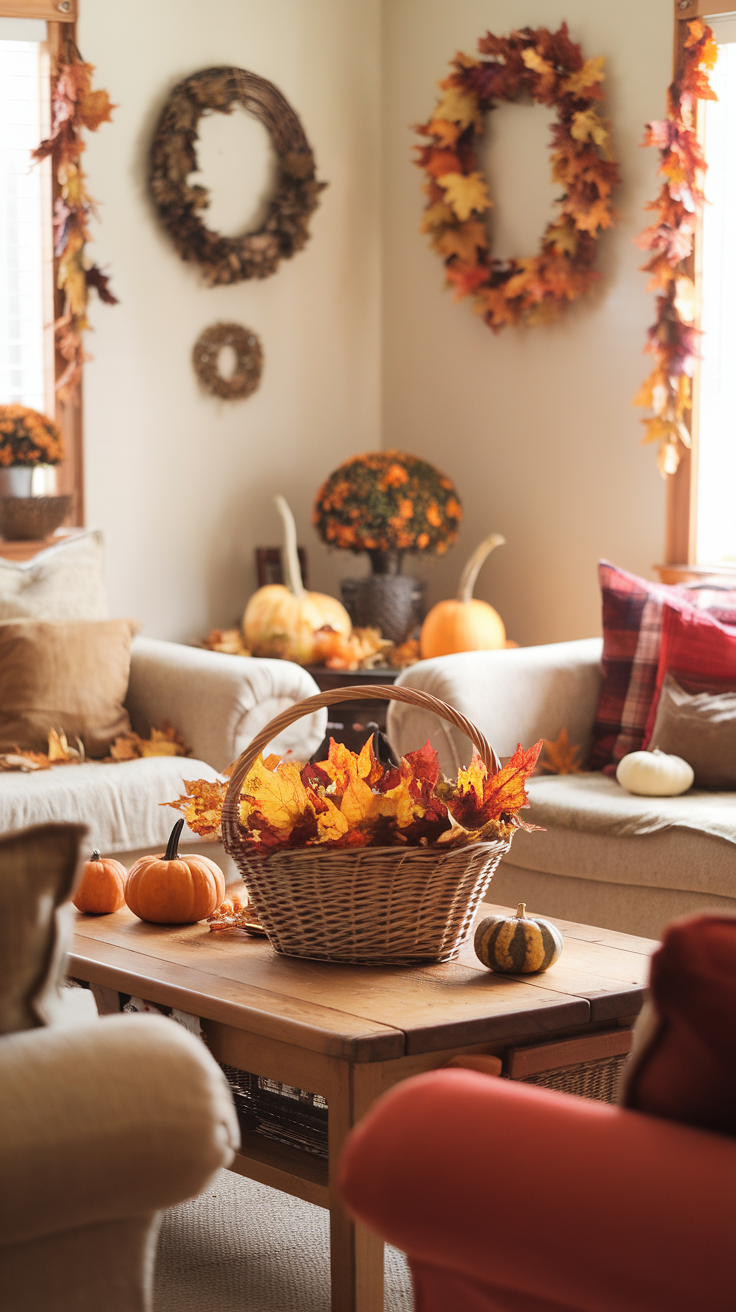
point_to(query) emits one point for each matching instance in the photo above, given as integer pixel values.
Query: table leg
(356, 1255)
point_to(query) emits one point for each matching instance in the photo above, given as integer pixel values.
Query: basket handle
(363, 692)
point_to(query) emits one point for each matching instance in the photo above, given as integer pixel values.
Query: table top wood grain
(363, 1013)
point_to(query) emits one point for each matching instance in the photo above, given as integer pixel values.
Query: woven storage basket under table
(391, 906)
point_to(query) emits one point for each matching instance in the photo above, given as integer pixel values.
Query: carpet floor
(241, 1247)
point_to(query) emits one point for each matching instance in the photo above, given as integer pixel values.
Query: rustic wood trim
(685, 9)
(523, 1062)
(54, 11)
(68, 414)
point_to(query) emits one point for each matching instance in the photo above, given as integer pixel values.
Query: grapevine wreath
(180, 204)
(248, 361)
(550, 68)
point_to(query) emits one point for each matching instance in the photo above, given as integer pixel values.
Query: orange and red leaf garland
(551, 68)
(353, 800)
(673, 337)
(74, 106)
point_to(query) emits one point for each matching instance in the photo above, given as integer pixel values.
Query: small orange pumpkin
(173, 889)
(102, 886)
(465, 624)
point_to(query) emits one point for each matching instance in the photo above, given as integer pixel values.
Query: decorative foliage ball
(654, 774)
(517, 945)
(102, 886)
(28, 437)
(388, 501)
(173, 889)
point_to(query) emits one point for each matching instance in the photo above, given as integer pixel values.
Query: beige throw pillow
(63, 582)
(37, 873)
(701, 728)
(70, 676)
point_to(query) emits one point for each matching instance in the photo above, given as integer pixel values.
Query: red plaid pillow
(632, 630)
(700, 652)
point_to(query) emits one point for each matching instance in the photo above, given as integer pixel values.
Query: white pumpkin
(654, 774)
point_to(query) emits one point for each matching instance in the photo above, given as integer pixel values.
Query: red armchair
(511, 1198)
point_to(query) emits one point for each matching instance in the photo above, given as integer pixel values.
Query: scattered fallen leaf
(560, 756)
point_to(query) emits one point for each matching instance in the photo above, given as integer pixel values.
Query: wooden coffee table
(350, 1032)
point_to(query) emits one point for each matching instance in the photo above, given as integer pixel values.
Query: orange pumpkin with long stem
(102, 886)
(465, 624)
(173, 889)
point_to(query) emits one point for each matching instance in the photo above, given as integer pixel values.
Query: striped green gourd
(517, 945)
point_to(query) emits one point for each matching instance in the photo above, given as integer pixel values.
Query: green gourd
(517, 945)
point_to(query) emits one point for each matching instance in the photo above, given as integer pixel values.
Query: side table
(352, 728)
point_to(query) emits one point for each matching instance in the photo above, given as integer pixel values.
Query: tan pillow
(70, 676)
(701, 728)
(37, 870)
(63, 582)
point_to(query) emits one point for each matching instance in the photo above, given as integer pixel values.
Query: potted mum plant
(387, 504)
(28, 439)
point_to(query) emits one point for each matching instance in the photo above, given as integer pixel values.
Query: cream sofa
(605, 858)
(217, 702)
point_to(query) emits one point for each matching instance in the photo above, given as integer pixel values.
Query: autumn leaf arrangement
(387, 501)
(551, 69)
(28, 438)
(354, 801)
(673, 337)
(74, 107)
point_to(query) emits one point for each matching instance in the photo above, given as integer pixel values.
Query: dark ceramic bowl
(24, 519)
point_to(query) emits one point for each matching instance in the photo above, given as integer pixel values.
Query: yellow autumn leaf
(588, 125)
(537, 64)
(587, 76)
(463, 240)
(465, 193)
(278, 795)
(437, 216)
(457, 106)
(563, 237)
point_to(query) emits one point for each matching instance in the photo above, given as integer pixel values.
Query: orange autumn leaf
(478, 797)
(201, 805)
(560, 756)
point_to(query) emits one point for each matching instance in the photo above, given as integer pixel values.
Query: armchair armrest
(218, 702)
(541, 1200)
(517, 695)
(115, 1119)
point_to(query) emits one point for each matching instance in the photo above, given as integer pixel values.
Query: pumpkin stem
(172, 848)
(521, 911)
(95, 855)
(294, 580)
(472, 568)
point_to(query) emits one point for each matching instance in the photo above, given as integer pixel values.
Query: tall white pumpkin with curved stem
(281, 620)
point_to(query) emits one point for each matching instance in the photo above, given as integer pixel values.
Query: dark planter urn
(386, 599)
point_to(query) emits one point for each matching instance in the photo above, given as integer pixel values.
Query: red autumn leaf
(478, 797)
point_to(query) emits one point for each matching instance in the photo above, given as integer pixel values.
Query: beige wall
(535, 426)
(181, 483)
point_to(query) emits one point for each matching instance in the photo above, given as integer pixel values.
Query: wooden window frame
(682, 486)
(61, 18)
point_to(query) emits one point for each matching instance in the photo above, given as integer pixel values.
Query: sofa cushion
(64, 582)
(686, 843)
(701, 728)
(698, 650)
(632, 628)
(120, 803)
(71, 676)
(37, 872)
(683, 1066)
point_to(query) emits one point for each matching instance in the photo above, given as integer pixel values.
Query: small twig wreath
(179, 205)
(248, 361)
(550, 68)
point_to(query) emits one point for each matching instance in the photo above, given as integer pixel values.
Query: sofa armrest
(219, 702)
(543, 1199)
(517, 695)
(115, 1119)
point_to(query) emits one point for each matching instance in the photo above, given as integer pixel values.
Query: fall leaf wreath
(246, 375)
(551, 69)
(180, 204)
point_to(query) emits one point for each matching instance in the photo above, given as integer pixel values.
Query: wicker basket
(371, 905)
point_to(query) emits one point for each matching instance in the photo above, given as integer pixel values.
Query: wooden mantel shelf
(26, 550)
